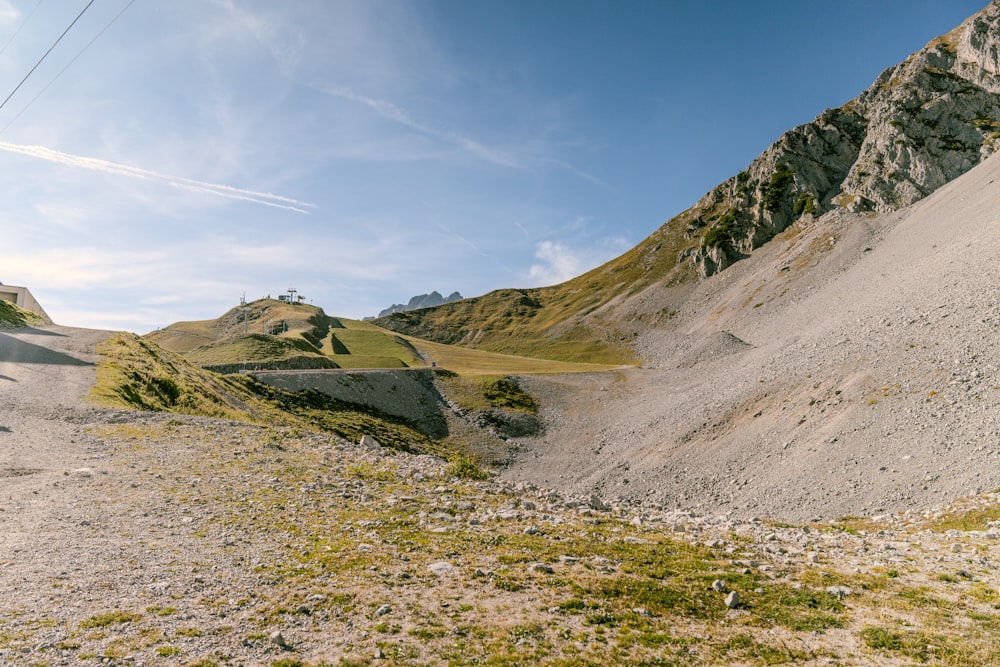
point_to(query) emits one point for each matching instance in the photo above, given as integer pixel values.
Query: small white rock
(442, 568)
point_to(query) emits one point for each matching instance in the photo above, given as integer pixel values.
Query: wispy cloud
(215, 189)
(394, 113)
(559, 264)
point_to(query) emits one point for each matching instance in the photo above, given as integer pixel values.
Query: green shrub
(465, 468)
(774, 191)
(806, 203)
(723, 232)
(507, 393)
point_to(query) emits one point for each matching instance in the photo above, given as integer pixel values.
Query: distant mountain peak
(421, 301)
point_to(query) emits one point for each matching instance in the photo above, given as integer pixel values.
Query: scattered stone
(719, 585)
(442, 568)
(840, 591)
(278, 639)
(732, 600)
(369, 442)
(378, 654)
(158, 588)
(543, 568)
(383, 610)
(597, 504)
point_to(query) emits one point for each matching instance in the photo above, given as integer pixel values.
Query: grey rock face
(921, 124)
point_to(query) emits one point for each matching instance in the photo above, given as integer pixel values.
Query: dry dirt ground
(130, 538)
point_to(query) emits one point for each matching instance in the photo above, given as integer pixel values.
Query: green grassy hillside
(135, 373)
(305, 337)
(569, 321)
(254, 349)
(356, 344)
(264, 316)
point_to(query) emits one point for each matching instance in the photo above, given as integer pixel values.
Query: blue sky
(364, 152)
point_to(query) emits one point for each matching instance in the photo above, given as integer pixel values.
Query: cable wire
(45, 55)
(65, 67)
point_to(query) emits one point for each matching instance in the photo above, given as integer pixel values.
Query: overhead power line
(45, 55)
(67, 66)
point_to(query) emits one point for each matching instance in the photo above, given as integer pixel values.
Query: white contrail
(227, 191)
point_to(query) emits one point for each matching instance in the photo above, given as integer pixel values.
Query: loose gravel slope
(848, 367)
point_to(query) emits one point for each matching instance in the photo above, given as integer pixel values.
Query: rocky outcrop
(921, 124)
(421, 301)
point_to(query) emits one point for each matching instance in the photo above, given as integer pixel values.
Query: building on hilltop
(21, 297)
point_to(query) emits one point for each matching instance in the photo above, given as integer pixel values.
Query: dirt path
(44, 375)
(45, 453)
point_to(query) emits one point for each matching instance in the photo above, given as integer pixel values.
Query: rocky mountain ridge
(921, 124)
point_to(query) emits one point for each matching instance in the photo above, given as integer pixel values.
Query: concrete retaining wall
(409, 395)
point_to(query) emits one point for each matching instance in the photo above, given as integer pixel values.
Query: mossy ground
(13, 316)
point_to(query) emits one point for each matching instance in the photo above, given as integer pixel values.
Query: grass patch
(465, 468)
(977, 519)
(13, 316)
(109, 618)
(260, 350)
(505, 392)
(363, 345)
